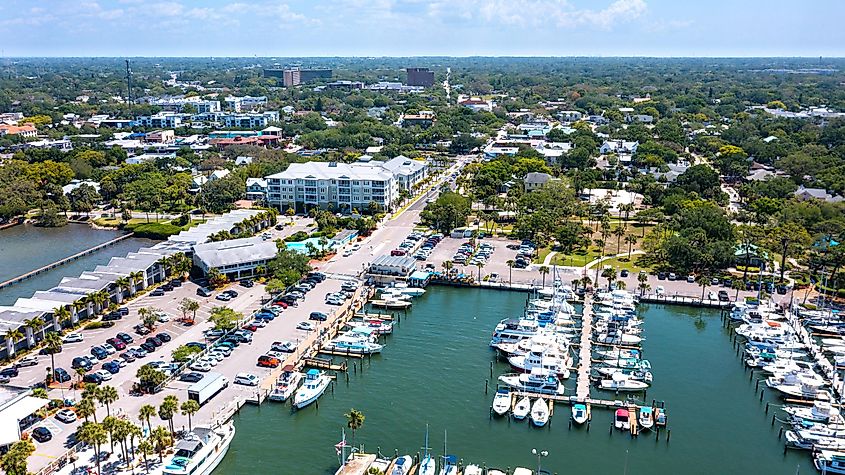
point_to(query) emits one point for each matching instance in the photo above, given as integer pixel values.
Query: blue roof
(313, 372)
(420, 275)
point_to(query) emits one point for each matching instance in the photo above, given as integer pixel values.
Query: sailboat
(428, 466)
(540, 413)
(520, 411)
(450, 462)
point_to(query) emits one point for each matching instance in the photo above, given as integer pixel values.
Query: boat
(539, 357)
(450, 462)
(579, 413)
(620, 382)
(513, 331)
(379, 326)
(520, 411)
(286, 384)
(537, 381)
(353, 343)
(391, 303)
(829, 461)
(200, 451)
(315, 385)
(428, 466)
(472, 470)
(502, 402)
(646, 417)
(380, 465)
(822, 411)
(540, 413)
(815, 439)
(402, 465)
(621, 420)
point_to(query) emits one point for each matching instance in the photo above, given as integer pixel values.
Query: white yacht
(201, 451)
(513, 330)
(522, 408)
(822, 411)
(354, 344)
(539, 357)
(829, 461)
(315, 385)
(539, 413)
(502, 402)
(620, 382)
(402, 465)
(537, 381)
(286, 384)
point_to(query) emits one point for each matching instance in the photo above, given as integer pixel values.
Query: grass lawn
(620, 263)
(116, 222)
(576, 260)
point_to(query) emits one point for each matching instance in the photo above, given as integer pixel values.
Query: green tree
(789, 239)
(191, 306)
(107, 395)
(354, 421)
(145, 413)
(224, 318)
(189, 408)
(168, 409)
(14, 462)
(161, 439)
(93, 434)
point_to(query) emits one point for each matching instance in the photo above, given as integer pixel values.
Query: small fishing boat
(822, 411)
(540, 413)
(621, 420)
(620, 382)
(402, 465)
(646, 417)
(391, 303)
(579, 413)
(829, 461)
(315, 385)
(502, 402)
(286, 384)
(520, 411)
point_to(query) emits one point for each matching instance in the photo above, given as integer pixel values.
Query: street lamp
(540, 454)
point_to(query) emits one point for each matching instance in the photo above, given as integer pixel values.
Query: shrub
(155, 230)
(96, 325)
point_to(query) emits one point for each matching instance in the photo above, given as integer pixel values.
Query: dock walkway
(53, 265)
(582, 391)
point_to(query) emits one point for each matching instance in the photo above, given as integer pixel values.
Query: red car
(268, 361)
(280, 304)
(251, 327)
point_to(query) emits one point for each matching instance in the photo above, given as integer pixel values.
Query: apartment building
(162, 120)
(319, 184)
(245, 103)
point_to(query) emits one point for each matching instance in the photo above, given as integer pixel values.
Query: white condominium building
(345, 185)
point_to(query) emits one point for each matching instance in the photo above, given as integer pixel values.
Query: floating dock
(582, 391)
(325, 363)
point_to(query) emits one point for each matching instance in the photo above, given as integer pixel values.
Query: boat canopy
(313, 372)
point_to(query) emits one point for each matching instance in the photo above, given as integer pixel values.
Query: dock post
(773, 420)
(570, 424)
(491, 369)
(780, 433)
(767, 408)
(486, 382)
(761, 394)
(611, 429)
(756, 386)
(668, 435)
(588, 425)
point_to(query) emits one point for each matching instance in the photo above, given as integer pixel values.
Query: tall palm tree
(104, 297)
(62, 315)
(543, 270)
(189, 408)
(510, 264)
(703, 280)
(610, 274)
(145, 413)
(12, 336)
(630, 240)
(109, 425)
(122, 284)
(107, 395)
(619, 232)
(146, 448)
(53, 345)
(135, 278)
(32, 325)
(354, 420)
(120, 434)
(168, 409)
(480, 265)
(85, 408)
(93, 434)
(161, 439)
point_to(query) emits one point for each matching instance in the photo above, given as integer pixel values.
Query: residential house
(535, 180)
(26, 130)
(477, 104)
(805, 194)
(256, 189)
(618, 147)
(423, 119)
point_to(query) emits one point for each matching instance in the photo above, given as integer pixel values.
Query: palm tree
(109, 425)
(479, 265)
(107, 395)
(621, 285)
(161, 439)
(168, 409)
(12, 336)
(189, 408)
(145, 413)
(447, 266)
(121, 433)
(53, 345)
(146, 448)
(610, 274)
(134, 431)
(644, 287)
(61, 315)
(354, 420)
(626, 209)
(135, 278)
(122, 285)
(702, 280)
(189, 305)
(510, 264)
(737, 285)
(543, 271)
(630, 240)
(85, 408)
(586, 282)
(32, 325)
(619, 232)
(92, 433)
(163, 263)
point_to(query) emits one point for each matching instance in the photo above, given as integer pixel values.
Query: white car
(209, 360)
(276, 354)
(162, 317)
(660, 290)
(120, 361)
(246, 379)
(347, 253)
(72, 338)
(109, 349)
(259, 323)
(103, 374)
(214, 355)
(307, 326)
(66, 415)
(224, 349)
(200, 366)
(30, 360)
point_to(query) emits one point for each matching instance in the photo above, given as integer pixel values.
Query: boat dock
(325, 363)
(684, 300)
(357, 465)
(60, 262)
(582, 391)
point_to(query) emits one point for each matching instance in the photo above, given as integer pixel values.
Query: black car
(123, 311)
(112, 316)
(125, 337)
(61, 376)
(723, 296)
(46, 351)
(157, 292)
(148, 347)
(81, 362)
(231, 293)
(191, 377)
(196, 344)
(10, 372)
(141, 330)
(154, 341)
(661, 276)
(164, 337)
(624, 273)
(41, 434)
(203, 292)
(176, 283)
(247, 283)
(166, 287)
(127, 357)
(92, 378)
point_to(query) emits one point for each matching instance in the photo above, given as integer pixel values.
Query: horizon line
(422, 56)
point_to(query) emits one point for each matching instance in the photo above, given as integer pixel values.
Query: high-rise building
(420, 77)
(297, 76)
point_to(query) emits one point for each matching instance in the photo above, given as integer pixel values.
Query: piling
(668, 435)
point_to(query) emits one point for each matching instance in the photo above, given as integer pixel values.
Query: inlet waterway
(433, 371)
(25, 247)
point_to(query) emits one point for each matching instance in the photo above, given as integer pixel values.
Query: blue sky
(422, 27)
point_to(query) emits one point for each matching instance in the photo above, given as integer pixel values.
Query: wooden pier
(60, 262)
(357, 464)
(684, 300)
(582, 391)
(325, 363)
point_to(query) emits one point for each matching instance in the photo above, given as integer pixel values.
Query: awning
(12, 415)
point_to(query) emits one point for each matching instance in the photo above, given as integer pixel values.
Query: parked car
(157, 292)
(127, 357)
(112, 367)
(125, 337)
(153, 341)
(142, 330)
(247, 283)
(104, 373)
(201, 366)
(196, 344)
(92, 378)
(117, 343)
(307, 326)
(266, 361)
(246, 379)
(109, 349)
(72, 338)
(66, 415)
(624, 273)
(231, 293)
(223, 297)
(123, 311)
(99, 353)
(213, 334)
(191, 377)
(30, 360)
(148, 347)
(138, 352)
(203, 292)
(283, 346)
(81, 362)
(60, 375)
(9, 372)
(319, 316)
(251, 327)
(164, 337)
(723, 296)
(41, 434)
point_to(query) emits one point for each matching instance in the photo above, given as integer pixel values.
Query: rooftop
(235, 251)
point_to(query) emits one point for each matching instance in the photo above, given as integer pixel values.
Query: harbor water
(24, 248)
(433, 371)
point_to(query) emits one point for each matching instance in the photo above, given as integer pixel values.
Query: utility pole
(129, 88)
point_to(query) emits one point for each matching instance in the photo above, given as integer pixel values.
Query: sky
(422, 28)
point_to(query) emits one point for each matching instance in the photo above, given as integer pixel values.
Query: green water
(433, 371)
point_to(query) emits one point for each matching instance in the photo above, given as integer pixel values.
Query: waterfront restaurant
(385, 269)
(236, 258)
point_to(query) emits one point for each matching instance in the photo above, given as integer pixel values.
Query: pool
(302, 246)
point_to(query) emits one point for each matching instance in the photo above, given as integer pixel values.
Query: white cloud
(537, 13)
